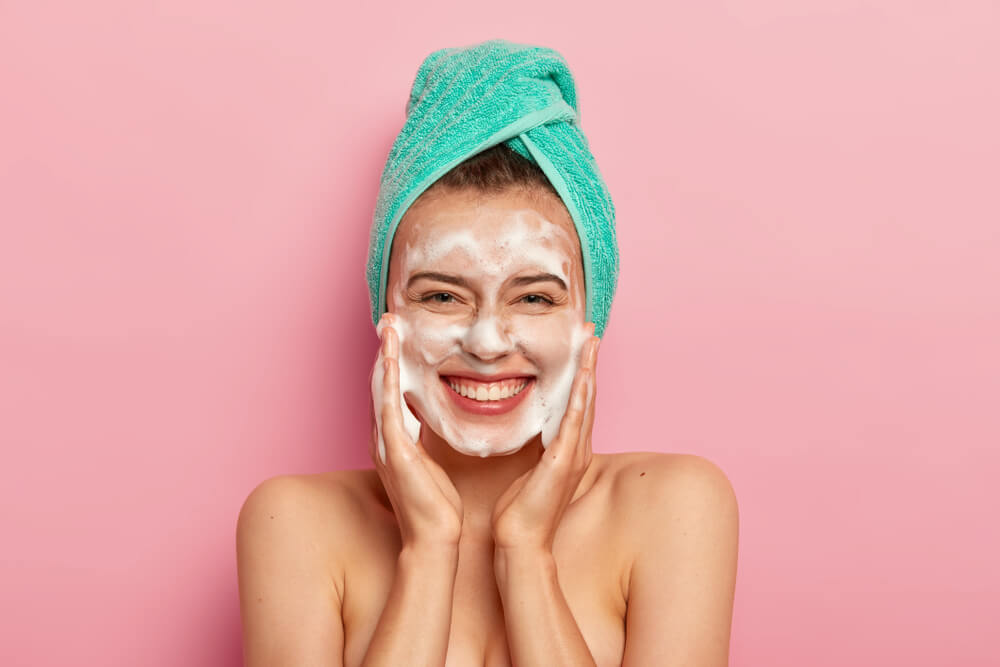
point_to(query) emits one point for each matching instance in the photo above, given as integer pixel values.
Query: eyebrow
(540, 278)
(461, 282)
(440, 277)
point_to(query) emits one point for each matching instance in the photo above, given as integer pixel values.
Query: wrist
(509, 563)
(427, 555)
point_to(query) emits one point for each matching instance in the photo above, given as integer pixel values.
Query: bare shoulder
(317, 498)
(651, 487)
(294, 535)
(318, 513)
(679, 530)
(674, 471)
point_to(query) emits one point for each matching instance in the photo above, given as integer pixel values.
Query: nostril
(487, 340)
(487, 358)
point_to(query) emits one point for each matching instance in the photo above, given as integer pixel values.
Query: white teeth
(494, 391)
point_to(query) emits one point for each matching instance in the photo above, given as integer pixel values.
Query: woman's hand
(526, 516)
(426, 503)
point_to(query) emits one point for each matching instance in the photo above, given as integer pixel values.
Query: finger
(590, 355)
(418, 444)
(373, 437)
(387, 319)
(397, 442)
(391, 339)
(590, 328)
(587, 426)
(569, 428)
(407, 418)
(585, 436)
(377, 444)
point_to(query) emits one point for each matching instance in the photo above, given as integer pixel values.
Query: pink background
(808, 216)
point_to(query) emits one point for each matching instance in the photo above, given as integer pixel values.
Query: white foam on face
(551, 344)
(521, 242)
(556, 399)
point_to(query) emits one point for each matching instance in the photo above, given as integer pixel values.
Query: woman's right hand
(426, 503)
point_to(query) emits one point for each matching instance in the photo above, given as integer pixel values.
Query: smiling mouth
(487, 391)
(487, 398)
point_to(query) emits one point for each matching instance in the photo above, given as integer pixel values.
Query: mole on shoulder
(640, 475)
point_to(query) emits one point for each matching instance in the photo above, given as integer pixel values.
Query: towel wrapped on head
(466, 100)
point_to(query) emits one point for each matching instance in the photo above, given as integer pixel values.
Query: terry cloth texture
(465, 100)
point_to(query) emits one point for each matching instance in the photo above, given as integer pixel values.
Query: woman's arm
(416, 620)
(541, 629)
(289, 592)
(682, 583)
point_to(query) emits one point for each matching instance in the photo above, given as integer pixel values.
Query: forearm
(541, 629)
(416, 620)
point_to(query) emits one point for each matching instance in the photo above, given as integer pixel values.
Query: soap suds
(486, 335)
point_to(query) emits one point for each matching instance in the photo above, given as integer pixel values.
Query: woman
(488, 533)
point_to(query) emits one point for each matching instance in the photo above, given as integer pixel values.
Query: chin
(485, 448)
(481, 437)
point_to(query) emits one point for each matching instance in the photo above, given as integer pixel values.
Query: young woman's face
(487, 292)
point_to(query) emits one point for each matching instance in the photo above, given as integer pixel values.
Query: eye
(536, 298)
(439, 297)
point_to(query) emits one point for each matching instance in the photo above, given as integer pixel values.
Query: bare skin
(552, 556)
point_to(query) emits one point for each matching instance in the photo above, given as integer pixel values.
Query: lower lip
(488, 407)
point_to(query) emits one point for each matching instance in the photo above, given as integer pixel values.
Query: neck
(480, 481)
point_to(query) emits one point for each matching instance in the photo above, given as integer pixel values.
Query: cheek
(545, 339)
(432, 345)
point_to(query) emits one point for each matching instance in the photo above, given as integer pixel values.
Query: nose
(487, 339)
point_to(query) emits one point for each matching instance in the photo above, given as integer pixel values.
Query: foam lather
(466, 100)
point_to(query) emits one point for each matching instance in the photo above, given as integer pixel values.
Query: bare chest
(590, 577)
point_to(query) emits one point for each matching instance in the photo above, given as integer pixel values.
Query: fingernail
(383, 321)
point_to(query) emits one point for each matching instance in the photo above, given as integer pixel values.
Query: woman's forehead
(510, 228)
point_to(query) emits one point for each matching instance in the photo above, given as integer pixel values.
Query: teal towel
(465, 100)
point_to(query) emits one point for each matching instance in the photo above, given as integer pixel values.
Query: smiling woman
(488, 532)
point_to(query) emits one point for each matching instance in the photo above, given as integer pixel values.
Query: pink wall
(810, 297)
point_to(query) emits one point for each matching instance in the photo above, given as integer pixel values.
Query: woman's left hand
(526, 516)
